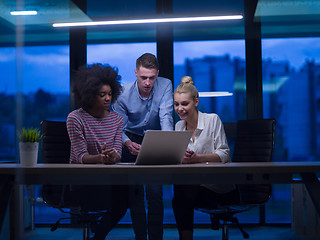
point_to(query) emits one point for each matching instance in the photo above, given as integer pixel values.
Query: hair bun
(186, 80)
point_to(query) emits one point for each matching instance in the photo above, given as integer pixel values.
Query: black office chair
(56, 149)
(254, 142)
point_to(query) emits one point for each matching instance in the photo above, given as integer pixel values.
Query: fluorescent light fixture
(148, 20)
(23, 13)
(215, 94)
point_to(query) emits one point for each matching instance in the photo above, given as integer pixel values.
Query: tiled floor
(261, 233)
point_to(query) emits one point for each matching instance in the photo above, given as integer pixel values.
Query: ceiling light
(148, 20)
(214, 94)
(24, 13)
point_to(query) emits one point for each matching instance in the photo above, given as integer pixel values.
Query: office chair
(254, 142)
(56, 149)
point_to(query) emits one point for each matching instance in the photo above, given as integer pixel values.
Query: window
(30, 91)
(122, 56)
(214, 66)
(29, 94)
(290, 95)
(291, 67)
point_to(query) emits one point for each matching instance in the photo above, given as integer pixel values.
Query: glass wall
(220, 66)
(35, 78)
(122, 56)
(291, 83)
(215, 66)
(30, 92)
(291, 90)
(8, 104)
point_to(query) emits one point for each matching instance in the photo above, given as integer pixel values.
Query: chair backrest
(55, 149)
(55, 142)
(254, 143)
(230, 130)
(231, 133)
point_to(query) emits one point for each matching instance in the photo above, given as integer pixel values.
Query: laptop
(163, 147)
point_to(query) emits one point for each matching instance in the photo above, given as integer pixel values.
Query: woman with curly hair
(96, 138)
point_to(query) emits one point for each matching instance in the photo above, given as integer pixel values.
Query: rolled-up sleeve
(221, 143)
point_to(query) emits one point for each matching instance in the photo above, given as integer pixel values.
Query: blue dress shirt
(142, 114)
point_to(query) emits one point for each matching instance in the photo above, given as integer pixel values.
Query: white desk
(248, 173)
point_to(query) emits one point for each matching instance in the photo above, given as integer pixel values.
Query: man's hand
(133, 147)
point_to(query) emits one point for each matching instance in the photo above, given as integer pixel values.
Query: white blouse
(209, 137)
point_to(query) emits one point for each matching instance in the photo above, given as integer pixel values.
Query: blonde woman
(208, 144)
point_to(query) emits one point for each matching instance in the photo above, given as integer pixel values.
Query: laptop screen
(163, 147)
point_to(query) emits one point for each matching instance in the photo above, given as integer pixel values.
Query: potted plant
(28, 146)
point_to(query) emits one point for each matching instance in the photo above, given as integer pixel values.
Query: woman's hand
(190, 157)
(109, 156)
(112, 155)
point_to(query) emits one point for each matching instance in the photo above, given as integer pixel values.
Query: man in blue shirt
(145, 104)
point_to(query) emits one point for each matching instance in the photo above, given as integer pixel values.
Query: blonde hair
(187, 86)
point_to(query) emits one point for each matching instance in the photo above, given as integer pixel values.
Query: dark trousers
(150, 224)
(114, 199)
(188, 197)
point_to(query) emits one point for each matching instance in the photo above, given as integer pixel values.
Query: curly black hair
(89, 79)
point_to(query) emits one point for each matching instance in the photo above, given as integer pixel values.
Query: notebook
(163, 147)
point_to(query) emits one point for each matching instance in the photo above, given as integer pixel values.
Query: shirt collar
(200, 124)
(201, 121)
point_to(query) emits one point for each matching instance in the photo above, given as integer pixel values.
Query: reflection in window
(291, 94)
(122, 56)
(214, 66)
(35, 87)
(30, 92)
